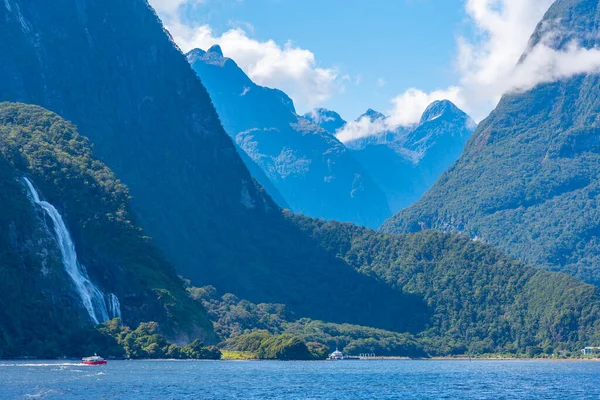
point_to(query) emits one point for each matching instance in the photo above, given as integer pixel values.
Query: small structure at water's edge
(589, 351)
(336, 355)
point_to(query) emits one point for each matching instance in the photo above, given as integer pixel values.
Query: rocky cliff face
(313, 171)
(527, 181)
(110, 68)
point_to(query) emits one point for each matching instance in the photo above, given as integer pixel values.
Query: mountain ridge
(312, 170)
(527, 179)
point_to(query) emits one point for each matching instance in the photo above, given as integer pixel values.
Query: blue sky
(387, 46)
(395, 56)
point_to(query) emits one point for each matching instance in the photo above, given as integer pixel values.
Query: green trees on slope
(37, 296)
(481, 301)
(529, 179)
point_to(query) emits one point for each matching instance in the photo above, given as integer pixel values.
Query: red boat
(95, 360)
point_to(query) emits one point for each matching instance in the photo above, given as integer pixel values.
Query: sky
(394, 56)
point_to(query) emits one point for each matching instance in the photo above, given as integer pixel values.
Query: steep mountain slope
(479, 299)
(528, 179)
(40, 301)
(111, 69)
(407, 161)
(313, 171)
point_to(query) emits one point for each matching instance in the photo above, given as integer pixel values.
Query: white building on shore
(336, 355)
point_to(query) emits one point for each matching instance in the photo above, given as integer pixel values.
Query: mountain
(478, 300)
(326, 119)
(314, 172)
(528, 179)
(42, 292)
(406, 161)
(111, 69)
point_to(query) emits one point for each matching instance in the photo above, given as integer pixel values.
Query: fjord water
(92, 298)
(302, 380)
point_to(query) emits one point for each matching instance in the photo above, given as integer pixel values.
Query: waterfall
(114, 306)
(92, 298)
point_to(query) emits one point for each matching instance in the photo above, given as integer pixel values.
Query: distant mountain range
(156, 199)
(315, 174)
(407, 161)
(528, 181)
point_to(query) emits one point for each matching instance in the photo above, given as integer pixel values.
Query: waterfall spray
(92, 298)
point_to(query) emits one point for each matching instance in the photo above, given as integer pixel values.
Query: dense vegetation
(146, 342)
(480, 301)
(113, 340)
(266, 346)
(40, 304)
(235, 318)
(529, 180)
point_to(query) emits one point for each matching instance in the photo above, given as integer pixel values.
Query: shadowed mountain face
(41, 271)
(110, 68)
(528, 179)
(407, 161)
(313, 171)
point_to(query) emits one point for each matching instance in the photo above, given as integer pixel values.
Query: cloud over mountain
(286, 67)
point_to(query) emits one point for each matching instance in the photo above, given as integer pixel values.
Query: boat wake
(11, 365)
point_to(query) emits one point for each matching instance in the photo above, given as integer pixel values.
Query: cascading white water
(114, 306)
(92, 298)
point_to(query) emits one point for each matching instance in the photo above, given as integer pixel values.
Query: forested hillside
(40, 307)
(111, 69)
(528, 179)
(479, 300)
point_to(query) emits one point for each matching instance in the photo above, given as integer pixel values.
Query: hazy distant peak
(372, 115)
(441, 108)
(196, 53)
(321, 115)
(216, 49)
(213, 56)
(329, 120)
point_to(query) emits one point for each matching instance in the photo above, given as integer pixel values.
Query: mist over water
(94, 301)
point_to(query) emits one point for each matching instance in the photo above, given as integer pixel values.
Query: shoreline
(466, 359)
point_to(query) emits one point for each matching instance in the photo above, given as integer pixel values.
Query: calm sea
(301, 380)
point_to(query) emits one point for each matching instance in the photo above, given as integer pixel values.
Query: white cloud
(170, 6)
(407, 109)
(486, 66)
(287, 67)
(409, 106)
(490, 66)
(364, 127)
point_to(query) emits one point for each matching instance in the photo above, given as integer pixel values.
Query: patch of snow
(434, 118)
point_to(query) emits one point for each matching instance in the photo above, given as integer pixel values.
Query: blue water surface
(301, 380)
